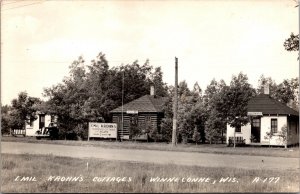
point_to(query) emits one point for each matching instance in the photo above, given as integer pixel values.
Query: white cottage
(43, 120)
(267, 115)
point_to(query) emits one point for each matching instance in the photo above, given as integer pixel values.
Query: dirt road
(154, 156)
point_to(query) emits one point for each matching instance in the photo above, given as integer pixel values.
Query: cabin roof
(147, 103)
(267, 105)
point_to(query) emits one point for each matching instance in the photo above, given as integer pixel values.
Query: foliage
(292, 43)
(269, 136)
(234, 100)
(285, 92)
(215, 124)
(23, 109)
(284, 135)
(134, 131)
(196, 135)
(190, 112)
(5, 119)
(92, 90)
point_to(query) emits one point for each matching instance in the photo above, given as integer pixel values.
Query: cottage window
(52, 118)
(256, 123)
(238, 129)
(134, 120)
(274, 125)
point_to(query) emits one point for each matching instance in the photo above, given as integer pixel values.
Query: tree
(157, 79)
(167, 121)
(92, 90)
(215, 124)
(186, 102)
(286, 92)
(23, 109)
(269, 136)
(284, 135)
(196, 135)
(5, 119)
(234, 101)
(191, 113)
(292, 43)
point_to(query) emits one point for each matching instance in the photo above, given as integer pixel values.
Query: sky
(212, 39)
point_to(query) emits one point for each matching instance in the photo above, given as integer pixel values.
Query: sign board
(132, 111)
(104, 130)
(254, 114)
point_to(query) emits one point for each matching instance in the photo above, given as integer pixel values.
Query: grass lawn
(63, 174)
(201, 148)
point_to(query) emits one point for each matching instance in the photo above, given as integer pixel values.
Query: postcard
(149, 96)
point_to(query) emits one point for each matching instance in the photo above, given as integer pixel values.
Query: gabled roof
(267, 105)
(145, 103)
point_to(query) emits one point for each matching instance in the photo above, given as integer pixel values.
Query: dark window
(238, 129)
(42, 121)
(134, 120)
(256, 123)
(52, 119)
(274, 125)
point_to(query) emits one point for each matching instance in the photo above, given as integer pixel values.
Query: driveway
(154, 156)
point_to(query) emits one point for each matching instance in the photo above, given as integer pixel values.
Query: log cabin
(145, 112)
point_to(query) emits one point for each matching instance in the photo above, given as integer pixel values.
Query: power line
(21, 6)
(114, 61)
(10, 2)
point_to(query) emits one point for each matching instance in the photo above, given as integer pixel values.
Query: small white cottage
(268, 116)
(43, 120)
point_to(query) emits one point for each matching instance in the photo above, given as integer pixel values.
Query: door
(41, 121)
(255, 130)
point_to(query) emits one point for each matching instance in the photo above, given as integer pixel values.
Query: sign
(104, 130)
(254, 114)
(132, 111)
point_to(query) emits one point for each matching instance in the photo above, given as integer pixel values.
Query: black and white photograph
(150, 96)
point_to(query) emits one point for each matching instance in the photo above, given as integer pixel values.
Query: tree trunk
(222, 136)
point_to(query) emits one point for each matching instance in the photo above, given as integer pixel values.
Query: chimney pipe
(266, 89)
(152, 90)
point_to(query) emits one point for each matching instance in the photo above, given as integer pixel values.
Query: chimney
(266, 89)
(152, 90)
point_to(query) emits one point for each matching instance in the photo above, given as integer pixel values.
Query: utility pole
(175, 105)
(122, 106)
